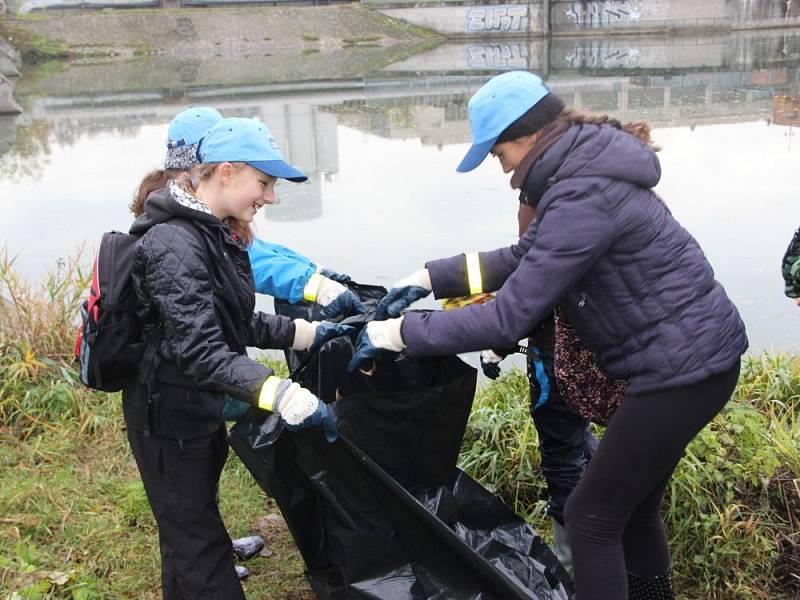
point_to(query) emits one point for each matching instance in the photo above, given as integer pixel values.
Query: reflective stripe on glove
(490, 363)
(403, 293)
(335, 298)
(297, 407)
(377, 337)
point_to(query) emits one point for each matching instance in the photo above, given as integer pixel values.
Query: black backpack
(112, 342)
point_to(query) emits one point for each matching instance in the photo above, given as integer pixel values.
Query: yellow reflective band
(312, 287)
(266, 399)
(474, 273)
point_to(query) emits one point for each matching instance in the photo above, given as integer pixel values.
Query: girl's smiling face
(245, 191)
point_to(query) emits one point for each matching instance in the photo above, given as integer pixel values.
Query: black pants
(566, 442)
(613, 516)
(181, 480)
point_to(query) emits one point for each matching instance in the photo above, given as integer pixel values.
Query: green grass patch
(32, 46)
(75, 522)
(733, 506)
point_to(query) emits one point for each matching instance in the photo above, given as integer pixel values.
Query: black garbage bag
(384, 513)
(325, 382)
(362, 535)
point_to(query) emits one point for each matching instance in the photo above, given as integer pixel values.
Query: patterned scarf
(184, 198)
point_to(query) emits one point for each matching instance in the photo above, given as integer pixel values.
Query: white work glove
(336, 299)
(311, 335)
(403, 293)
(377, 337)
(297, 406)
(490, 363)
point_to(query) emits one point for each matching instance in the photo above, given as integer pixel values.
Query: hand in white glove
(335, 298)
(377, 337)
(490, 363)
(403, 293)
(297, 406)
(311, 335)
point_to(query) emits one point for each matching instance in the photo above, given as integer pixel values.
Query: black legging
(613, 516)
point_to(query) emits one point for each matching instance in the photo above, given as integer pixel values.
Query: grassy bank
(733, 506)
(75, 523)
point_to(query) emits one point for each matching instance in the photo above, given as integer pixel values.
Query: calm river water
(382, 149)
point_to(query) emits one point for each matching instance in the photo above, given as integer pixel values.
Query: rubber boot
(561, 546)
(650, 588)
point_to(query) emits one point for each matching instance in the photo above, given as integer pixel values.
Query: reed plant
(38, 321)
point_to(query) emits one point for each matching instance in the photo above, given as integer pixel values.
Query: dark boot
(650, 588)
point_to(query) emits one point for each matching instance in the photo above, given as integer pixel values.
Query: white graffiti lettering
(498, 18)
(494, 56)
(601, 55)
(602, 13)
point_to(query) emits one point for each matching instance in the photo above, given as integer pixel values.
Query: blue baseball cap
(500, 101)
(188, 126)
(248, 141)
(185, 131)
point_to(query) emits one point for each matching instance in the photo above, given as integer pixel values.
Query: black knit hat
(540, 114)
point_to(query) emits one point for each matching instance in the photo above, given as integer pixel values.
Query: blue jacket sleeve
(279, 271)
(554, 255)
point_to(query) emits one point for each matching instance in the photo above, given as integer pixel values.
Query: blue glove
(345, 304)
(398, 299)
(327, 331)
(377, 337)
(321, 416)
(490, 364)
(365, 350)
(340, 277)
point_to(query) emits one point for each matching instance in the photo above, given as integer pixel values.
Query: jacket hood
(161, 206)
(594, 151)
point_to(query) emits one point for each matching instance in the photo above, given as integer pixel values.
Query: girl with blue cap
(195, 295)
(634, 284)
(279, 271)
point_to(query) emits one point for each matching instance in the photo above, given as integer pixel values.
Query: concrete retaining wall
(568, 17)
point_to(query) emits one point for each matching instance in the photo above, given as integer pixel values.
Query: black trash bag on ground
(362, 535)
(384, 513)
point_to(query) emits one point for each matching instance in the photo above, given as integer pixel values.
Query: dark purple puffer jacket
(635, 284)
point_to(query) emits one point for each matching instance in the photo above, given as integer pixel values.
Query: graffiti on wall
(602, 13)
(498, 18)
(498, 56)
(601, 55)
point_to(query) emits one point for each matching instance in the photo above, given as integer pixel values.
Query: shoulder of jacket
(170, 236)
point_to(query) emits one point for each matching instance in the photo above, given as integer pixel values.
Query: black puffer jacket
(205, 323)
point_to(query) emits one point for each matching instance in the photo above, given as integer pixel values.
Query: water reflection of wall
(306, 136)
(311, 145)
(685, 82)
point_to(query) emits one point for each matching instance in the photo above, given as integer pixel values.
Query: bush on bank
(733, 507)
(74, 521)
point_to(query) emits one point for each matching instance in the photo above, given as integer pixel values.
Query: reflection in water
(381, 152)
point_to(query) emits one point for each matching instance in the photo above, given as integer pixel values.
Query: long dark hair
(551, 108)
(154, 180)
